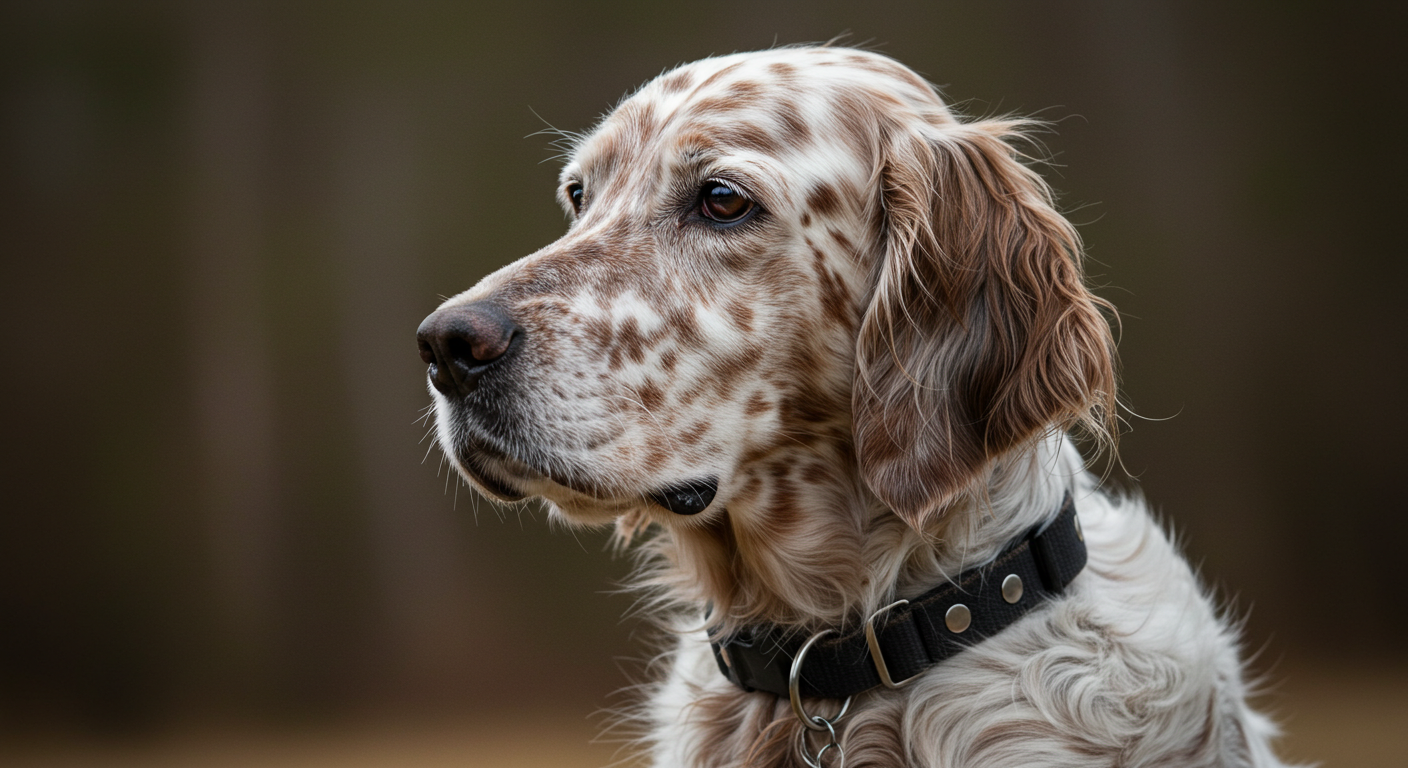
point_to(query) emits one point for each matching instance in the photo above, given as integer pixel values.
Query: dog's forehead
(768, 104)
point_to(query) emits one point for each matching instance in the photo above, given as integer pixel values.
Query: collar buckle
(876, 655)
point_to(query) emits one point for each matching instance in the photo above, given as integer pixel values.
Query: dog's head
(785, 271)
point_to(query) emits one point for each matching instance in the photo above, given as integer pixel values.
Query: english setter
(820, 341)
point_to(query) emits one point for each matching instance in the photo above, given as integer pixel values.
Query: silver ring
(794, 682)
(815, 761)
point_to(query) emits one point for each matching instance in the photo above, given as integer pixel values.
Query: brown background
(221, 223)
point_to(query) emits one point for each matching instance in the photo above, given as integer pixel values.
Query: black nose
(460, 343)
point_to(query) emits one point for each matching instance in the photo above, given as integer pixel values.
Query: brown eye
(723, 203)
(575, 193)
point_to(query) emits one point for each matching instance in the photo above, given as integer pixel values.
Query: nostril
(427, 352)
(461, 349)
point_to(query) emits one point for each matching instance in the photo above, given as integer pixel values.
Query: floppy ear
(980, 335)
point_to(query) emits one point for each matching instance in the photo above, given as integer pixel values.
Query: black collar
(909, 637)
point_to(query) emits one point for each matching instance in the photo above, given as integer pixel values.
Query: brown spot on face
(677, 82)
(697, 140)
(748, 136)
(685, 326)
(719, 105)
(657, 453)
(744, 90)
(599, 331)
(726, 369)
(754, 454)
(824, 200)
(669, 359)
(841, 240)
(835, 299)
(711, 79)
(741, 314)
(854, 114)
(695, 433)
(692, 394)
(640, 116)
(794, 130)
(878, 66)
(891, 69)
(806, 218)
(651, 396)
(784, 71)
(630, 341)
(757, 405)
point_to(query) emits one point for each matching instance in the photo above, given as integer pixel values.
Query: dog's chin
(574, 499)
(505, 479)
(495, 489)
(485, 472)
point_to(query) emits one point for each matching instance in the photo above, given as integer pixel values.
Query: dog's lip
(501, 475)
(472, 463)
(495, 488)
(689, 497)
(485, 464)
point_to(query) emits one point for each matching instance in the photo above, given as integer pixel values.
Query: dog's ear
(980, 335)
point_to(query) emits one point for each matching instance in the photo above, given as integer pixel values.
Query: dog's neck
(848, 554)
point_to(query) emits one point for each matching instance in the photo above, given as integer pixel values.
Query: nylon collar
(908, 638)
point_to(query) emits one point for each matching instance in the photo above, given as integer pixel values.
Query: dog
(820, 343)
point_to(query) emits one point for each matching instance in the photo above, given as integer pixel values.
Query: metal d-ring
(876, 656)
(794, 682)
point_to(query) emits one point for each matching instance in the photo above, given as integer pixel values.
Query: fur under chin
(1133, 666)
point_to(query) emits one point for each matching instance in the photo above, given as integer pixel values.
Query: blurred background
(220, 224)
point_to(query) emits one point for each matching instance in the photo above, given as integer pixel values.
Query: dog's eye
(576, 194)
(722, 203)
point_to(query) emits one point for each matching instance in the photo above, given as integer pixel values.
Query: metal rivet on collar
(1079, 533)
(958, 618)
(1012, 588)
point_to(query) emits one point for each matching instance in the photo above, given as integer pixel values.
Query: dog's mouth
(476, 460)
(506, 475)
(688, 498)
(509, 480)
(496, 488)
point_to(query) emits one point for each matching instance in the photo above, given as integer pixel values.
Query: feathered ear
(981, 334)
